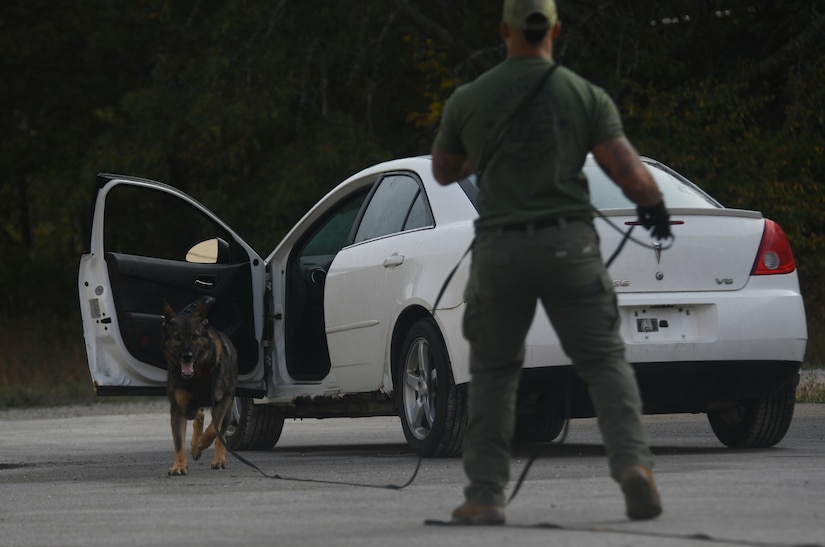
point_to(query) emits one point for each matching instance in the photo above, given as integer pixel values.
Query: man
(535, 240)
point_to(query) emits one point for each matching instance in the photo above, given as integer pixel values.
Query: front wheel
(253, 427)
(432, 408)
(757, 423)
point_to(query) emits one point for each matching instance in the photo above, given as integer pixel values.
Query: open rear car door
(151, 243)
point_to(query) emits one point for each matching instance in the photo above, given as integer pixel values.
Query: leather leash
(277, 476)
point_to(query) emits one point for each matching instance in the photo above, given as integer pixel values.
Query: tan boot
(489, 515)
(640, 494)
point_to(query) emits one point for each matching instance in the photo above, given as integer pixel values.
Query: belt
(539, 224)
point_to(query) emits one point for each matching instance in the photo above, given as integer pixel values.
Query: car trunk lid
(712, 250)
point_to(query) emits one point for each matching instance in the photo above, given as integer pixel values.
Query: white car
(337, 321)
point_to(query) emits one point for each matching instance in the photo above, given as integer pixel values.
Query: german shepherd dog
(202, 371)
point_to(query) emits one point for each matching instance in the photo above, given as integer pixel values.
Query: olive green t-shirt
(537, 171)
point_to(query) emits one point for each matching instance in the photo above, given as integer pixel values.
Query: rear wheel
(537, 427)
(253, 427)
(432, 408)
(758, 423)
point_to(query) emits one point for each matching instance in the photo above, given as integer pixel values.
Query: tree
(257, 107)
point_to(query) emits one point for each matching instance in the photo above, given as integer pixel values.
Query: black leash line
(707, 538)
(613, 530)
(619, 248)
(220, 437)
(531, 460)
(450, 277)
(626, 235)
(412, 478)
(277, 476)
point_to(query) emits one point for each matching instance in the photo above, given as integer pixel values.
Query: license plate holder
(661, 323)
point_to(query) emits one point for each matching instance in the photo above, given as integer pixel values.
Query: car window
(151, 223)
(397, 204)
(604, 194)
(678, 191)
(419, 216)
(333, 232)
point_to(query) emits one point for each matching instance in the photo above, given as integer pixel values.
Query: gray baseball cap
(516, 13)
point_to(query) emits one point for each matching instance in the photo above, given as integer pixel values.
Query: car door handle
(393, 260)
(205, 281)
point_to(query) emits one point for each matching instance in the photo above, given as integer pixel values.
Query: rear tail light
(774, 255)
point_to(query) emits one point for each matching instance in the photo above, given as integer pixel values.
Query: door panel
(151, 243)
(140, 285)
(307, 353)
(369, 279)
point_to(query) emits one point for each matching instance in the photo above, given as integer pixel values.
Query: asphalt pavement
(97, 476)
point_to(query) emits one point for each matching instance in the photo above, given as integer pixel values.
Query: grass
(43, 363)
(811, 390)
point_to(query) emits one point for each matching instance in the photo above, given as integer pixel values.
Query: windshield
(604, 194)
(677, 190)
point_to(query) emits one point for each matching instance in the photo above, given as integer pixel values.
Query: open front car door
(151, 243)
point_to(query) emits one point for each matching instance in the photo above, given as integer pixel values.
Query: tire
(537, 428)
(759, 423)
(433, 410)
(253, 427)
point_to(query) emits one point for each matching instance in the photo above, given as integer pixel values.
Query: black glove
(656, 219)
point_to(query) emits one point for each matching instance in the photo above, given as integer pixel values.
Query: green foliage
(258, 107)
(43, 362)
(716, 133)
(811, 389)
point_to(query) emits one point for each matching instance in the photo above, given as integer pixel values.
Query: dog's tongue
(187, 369)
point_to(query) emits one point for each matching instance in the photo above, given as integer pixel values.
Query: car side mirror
(210, 251)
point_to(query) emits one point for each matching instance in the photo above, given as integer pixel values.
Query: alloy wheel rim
(420, 387)
(236, 417)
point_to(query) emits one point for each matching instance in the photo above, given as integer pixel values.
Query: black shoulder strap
(492, 145)
(490, 151)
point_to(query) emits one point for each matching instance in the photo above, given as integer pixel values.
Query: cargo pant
(561, 266)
